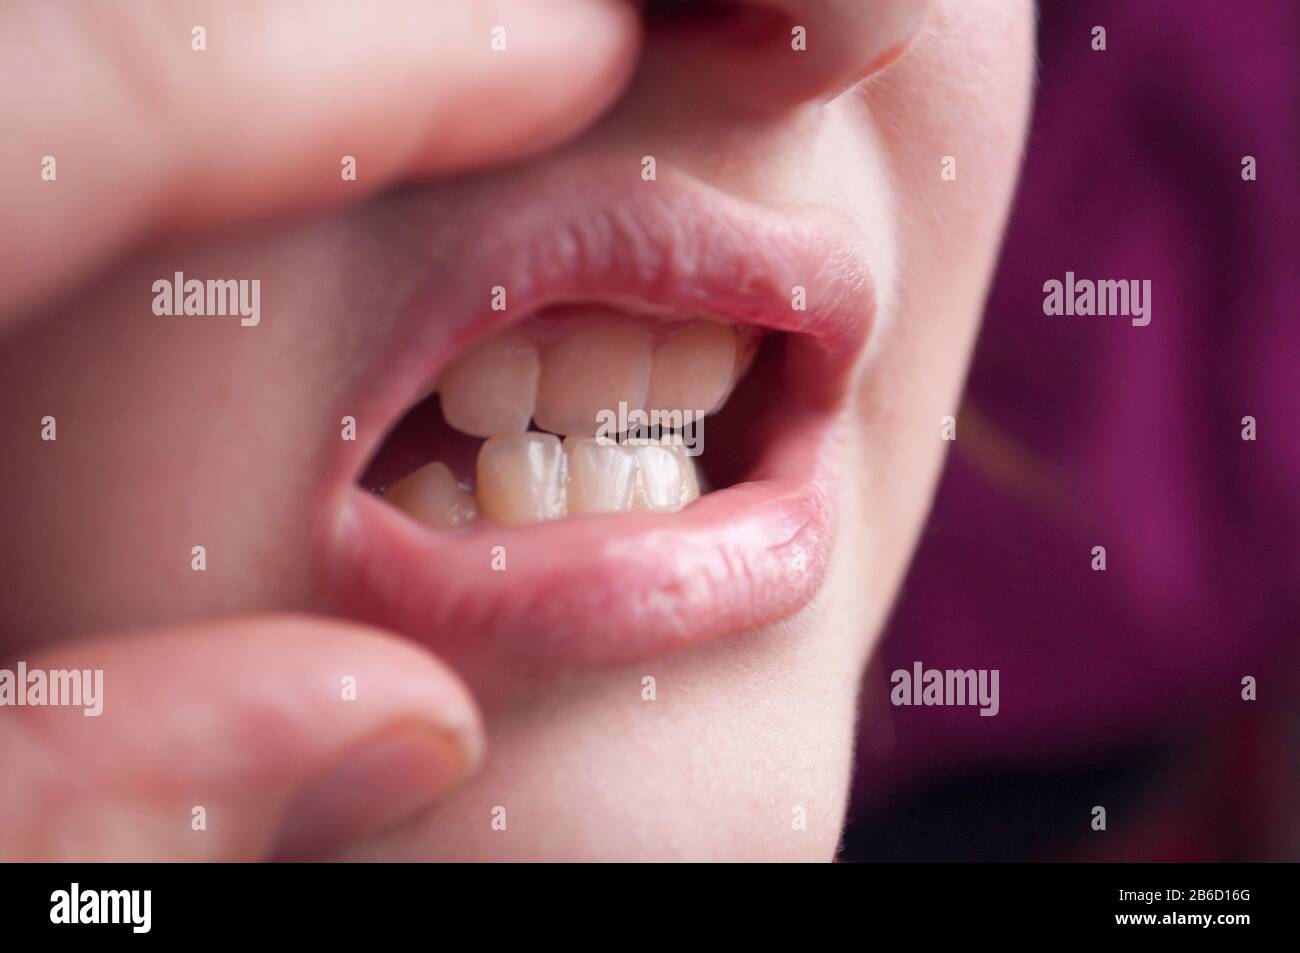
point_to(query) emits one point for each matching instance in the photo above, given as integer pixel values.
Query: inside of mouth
(580, 410)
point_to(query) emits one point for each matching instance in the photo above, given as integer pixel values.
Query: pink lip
(611, 589)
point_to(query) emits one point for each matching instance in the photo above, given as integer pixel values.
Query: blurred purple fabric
(1088, 431)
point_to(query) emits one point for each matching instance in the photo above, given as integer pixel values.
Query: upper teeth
(500, 384)
(491, 388)
(598, 366)
(694, 369)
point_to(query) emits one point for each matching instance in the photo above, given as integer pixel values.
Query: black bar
(331, 902)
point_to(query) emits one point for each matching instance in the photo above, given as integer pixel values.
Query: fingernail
(379, 784)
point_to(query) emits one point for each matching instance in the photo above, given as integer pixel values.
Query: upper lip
(623, 587)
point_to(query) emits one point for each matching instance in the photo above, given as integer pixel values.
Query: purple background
(1085, 431)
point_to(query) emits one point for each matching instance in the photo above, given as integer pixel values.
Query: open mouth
(610, 428)
(618, 405)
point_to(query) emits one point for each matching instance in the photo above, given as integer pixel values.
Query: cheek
(953, 115)
(172, 433)
(961, 94)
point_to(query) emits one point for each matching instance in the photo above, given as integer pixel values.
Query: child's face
(197, 431)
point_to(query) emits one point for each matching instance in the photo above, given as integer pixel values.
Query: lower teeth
(532, 477)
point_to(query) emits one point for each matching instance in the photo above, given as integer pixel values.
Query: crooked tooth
(666, 479)
(593, 369)
(521, 478)
(602, 478)
(432, 497)
(692, 370)
(491, 388)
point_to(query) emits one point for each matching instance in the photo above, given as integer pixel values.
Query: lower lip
(601, 590)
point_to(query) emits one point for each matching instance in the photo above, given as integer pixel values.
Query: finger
(240, 740)
(149, 135)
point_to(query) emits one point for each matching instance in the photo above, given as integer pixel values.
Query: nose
(767, 56)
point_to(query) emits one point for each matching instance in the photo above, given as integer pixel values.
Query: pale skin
(223, 686)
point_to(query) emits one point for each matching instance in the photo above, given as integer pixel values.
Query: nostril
(656, 10)
(737, 21)
(760, 58)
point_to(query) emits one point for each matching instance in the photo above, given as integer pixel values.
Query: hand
(236, 739)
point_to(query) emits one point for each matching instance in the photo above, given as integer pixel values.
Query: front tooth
(490, 388)
(592, 370)
(666, 479)
(601, 477)
(432, 497)
(521, 478)
(693, 368)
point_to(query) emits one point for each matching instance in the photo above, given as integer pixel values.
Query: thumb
(268, 737)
